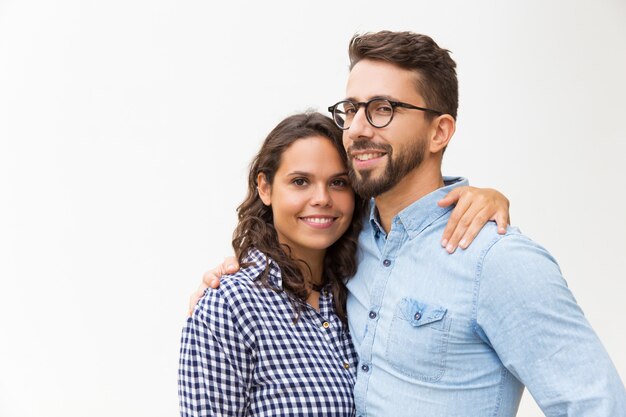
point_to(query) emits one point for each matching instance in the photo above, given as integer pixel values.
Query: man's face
(379, 158)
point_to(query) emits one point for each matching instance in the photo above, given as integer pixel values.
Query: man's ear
(444, 127)
(264, 188)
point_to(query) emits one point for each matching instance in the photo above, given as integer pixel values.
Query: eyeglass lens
(378, 111)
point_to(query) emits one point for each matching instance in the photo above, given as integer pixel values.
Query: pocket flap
(419, 314)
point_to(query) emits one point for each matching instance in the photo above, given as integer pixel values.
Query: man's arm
(526, 312)
(474, 208)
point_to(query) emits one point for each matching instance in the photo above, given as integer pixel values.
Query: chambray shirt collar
(422, 213)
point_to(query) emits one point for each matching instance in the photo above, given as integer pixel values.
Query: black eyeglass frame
(394, 104)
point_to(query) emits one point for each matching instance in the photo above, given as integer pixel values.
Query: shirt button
(326, 325)
(386, 262)
(346, 365)
(418, 315)
(365, 368)
(372, 315)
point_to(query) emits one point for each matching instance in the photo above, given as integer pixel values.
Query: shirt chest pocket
(418, 340)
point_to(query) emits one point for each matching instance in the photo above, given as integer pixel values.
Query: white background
(126, 127)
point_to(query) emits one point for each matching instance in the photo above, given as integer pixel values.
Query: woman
(273, 338)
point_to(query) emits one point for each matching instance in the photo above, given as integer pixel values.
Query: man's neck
(421, 181)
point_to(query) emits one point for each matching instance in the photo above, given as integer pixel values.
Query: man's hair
(436, 81)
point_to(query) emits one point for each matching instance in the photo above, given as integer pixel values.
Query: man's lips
(367, 158)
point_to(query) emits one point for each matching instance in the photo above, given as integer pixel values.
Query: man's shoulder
(511, 245)
(515, 261)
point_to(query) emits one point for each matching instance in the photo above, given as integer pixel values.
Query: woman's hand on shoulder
(474, 208)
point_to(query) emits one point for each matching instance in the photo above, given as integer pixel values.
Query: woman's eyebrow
(308, 174)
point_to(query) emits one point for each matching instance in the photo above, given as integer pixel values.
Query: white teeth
(319, 220)
(367, 156)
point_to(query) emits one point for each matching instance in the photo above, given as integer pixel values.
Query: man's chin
(371, 187)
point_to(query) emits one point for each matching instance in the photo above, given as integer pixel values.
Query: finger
(502, 221)
(212, 278)
(453, 221)
(478, 222)
(195, 297)
(450, 198)
(461, 228)
(230, 265)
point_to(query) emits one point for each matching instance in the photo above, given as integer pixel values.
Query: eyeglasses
(378, 111)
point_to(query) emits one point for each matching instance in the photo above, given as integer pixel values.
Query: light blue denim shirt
(442, 335)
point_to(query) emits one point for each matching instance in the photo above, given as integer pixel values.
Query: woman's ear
(264, 188)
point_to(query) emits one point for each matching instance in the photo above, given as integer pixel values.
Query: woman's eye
(299, 181)
(339, 182)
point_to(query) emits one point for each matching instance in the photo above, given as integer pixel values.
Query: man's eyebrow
(379, 96)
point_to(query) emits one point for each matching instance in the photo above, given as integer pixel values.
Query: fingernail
(213, 283)
(450, 248)
(230, 266)
(444, 243)
(462, 244)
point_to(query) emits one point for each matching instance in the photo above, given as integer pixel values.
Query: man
(440, 335)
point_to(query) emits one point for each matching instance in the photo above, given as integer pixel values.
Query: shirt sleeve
(216, 361)
(526, 312)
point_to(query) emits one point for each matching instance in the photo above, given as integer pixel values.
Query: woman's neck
(313, 273)
(311, 265)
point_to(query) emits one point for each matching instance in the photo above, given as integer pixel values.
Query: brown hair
(437, 81)
(256, 228)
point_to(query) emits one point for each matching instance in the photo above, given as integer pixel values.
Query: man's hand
(474, 208)
(212, 279)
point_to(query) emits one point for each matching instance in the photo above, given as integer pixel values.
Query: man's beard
(408, 159)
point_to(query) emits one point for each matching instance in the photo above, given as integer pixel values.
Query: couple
(430, 333)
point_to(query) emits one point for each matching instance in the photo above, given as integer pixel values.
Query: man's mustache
(369, 145)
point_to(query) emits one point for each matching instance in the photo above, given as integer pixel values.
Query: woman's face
(311, 199)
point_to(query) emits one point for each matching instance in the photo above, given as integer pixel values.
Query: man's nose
(360, 128)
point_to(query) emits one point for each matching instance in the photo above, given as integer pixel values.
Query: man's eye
(383, 110)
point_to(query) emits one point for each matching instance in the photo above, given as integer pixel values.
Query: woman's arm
(215, 364)
(474, 208)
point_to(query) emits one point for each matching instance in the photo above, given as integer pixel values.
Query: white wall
(126, 127)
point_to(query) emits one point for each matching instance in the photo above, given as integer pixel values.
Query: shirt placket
(333, 330)
(382, 273)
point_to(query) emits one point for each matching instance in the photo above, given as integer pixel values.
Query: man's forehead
(370, 79)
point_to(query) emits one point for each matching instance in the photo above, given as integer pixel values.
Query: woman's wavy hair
(256, 227)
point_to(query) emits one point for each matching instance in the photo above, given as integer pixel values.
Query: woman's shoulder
(241, 289)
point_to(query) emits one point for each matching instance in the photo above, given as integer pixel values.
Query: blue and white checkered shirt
(242, 354)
